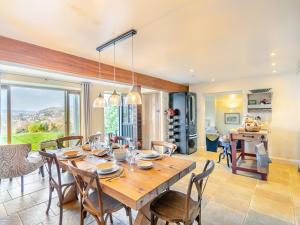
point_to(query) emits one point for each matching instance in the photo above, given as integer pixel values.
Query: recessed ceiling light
(212, 79)
(192, 71)
(272, 54)
(273, 64)
(274, 71)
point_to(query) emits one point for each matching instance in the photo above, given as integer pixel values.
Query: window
(111, 117)
(37, 114)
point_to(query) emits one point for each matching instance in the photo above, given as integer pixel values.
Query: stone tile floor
(228, 199)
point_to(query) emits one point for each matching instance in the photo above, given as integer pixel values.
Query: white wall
(285, 126)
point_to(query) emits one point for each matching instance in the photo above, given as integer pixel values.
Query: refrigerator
(185, 128)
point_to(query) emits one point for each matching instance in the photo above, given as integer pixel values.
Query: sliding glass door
(30, 115)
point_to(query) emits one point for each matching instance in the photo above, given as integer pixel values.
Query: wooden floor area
(228, 199)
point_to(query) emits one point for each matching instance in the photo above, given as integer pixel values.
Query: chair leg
(22, 184)
(49, 200)
(152, 219)
(10, 179)
(220, 155)
(129, 214)
(60, 197)
(111, 218)
(81, 216)
(42, 171)
(167, 222)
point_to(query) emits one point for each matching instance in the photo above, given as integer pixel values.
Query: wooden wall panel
(32, 55)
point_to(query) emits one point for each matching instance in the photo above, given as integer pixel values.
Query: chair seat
(170, 206)
(109, 203)
(67, 178)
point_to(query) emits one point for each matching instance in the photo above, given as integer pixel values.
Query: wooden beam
(32, 55)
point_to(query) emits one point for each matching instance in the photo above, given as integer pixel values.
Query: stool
(226, 152)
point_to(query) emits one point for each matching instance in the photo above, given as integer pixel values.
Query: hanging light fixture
(114, 99)
(134, 96)
(99, 102)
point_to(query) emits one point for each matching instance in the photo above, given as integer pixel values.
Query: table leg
(242, 149)
(143, 216)
(233, 153)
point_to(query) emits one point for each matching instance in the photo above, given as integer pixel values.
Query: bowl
(119, 154)
(86, 147)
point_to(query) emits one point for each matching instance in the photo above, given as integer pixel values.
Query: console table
(246, 137)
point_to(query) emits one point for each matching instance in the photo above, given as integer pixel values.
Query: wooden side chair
(95, 137)
(93, 200)
(170, 147)
(61, 142)
(176, 207)
(61, 183)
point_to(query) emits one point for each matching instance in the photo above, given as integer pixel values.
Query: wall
(285, 125)
(210, 111)
(228, 103)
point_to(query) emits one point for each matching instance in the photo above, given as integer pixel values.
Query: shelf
(260, 106)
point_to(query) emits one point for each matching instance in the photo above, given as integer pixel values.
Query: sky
(34, 99)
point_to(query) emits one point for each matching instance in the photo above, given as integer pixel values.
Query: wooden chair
(61, 141)
(61, 183)
(94, 137)
(120, 139)
(171, 148)
(176, 207)
(98, 204)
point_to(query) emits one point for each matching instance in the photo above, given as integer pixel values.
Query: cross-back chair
(58, 181)
(61, 141)
(93, 200)
(95, 137)
(170, 147)
(177, 207)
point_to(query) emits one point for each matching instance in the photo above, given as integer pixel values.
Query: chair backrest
(95, 137)
(85, 182)
(120, 139)
(171, 148)
(61, 141)
(48, 145)
(199, 181)
(50, 160)
(13, 160)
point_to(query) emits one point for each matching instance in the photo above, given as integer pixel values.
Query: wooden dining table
(139, 187)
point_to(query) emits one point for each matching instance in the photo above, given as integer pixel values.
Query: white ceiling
(218, 39)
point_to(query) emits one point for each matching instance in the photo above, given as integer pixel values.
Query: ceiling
(187, 41)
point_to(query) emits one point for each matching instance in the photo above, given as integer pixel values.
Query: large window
(30, 115)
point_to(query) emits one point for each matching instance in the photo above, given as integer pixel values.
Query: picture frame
(252, 102)
(232, 118)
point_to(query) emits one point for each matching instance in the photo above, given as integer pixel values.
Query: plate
(105, 166)
(149, 158)
(71, 154)
(144, 165)
(99, 152)
(149, 154)
(113, 170)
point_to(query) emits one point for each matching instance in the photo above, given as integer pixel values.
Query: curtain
(86, 91)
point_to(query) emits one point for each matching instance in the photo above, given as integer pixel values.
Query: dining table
(136, 187)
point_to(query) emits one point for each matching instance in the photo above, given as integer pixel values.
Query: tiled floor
(228, 199)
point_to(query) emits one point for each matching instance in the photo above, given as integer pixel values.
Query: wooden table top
(139, 187)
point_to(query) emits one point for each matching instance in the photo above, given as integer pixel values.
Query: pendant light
(99, 102)
(134, 96)
(114, 99)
